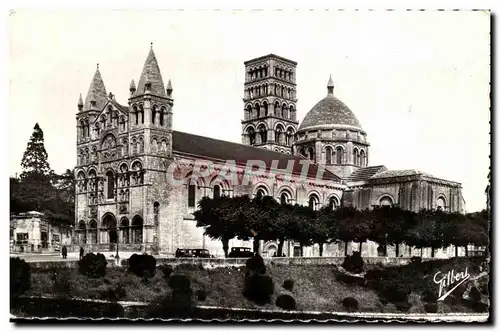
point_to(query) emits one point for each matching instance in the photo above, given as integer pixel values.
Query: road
(53, 257)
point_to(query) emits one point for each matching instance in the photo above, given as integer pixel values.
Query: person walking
(81, 252)
(64, 252)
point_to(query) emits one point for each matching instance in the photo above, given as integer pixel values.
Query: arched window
(440, 204)
(162, 116)
(153, 114)
(278, 134)
(251, 135)
(217, 191)
(277, 109)
(192, 194)
(257, 109)
(261, 192)
(339, 154)
(285, 197)
(125, 230)
(386, 201)
(355, 157)
(93, 232)
(362, 158)
(334, 203)
(111, 184)
(136, 113)
(313, 202)
(310, 153)
(248, 112)
(82, 232)
(137, 230)
(263, 134)
(284, 111)
(156, 213)
(266, 108)
(289, 137)
(141, 112)
(328, 155)
(302, 152)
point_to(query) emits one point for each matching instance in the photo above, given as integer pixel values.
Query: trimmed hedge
(354, 263)
(256, 264)
(288, 284)
(93, 265)
(179, 282)
(350, 303)
(142, 265)
(286, 302)
(258, 288)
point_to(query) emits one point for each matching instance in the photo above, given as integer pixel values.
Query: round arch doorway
(109, 223)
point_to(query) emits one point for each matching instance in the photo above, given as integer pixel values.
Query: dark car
(238, 252)
(183, 253)
(201, 253)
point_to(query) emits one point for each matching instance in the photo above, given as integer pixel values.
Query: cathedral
(124, 154)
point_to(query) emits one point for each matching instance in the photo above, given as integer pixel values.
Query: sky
(417, 81)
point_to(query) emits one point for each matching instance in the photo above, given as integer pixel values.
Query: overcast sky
(417, 81)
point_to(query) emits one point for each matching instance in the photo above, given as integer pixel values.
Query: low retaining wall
(69, 264)
(220, 262)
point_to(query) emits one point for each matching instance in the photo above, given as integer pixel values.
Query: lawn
(315, 288)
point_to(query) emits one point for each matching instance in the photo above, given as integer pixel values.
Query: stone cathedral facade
(126, 153)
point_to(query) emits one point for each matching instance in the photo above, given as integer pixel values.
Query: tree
(224, 218)
(353, 225)
(35, 157)
(321, 228)
(300, 226)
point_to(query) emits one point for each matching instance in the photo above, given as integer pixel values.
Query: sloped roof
(363, 174)
(97, 90)
(397, 173)
(222, 150)
(151, 72)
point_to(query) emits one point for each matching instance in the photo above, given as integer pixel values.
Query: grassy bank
(316, 287)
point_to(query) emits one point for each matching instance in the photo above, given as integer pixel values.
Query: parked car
(183, 253)
(201, 253)
(239, 252)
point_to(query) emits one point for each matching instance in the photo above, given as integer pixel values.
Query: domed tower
(331, 135)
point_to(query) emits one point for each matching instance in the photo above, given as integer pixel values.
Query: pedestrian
(81, 252)
(64, 251)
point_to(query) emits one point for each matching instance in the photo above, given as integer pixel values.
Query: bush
(350, 303)
(93, 265)
(201, 295)
(179, 282)
(286, 302)
(256, 264)
(354, 263)
(258, 288)
(288, 284)
(475, 295)
(139, 264)
(167, 270)
(20, 276)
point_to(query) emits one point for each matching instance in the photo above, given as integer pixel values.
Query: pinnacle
(330, 82)
(80, 100)
(96, 92)
(151, 74)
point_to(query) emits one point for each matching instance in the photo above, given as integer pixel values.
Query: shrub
(350, 303)
(93, 265)
(167, 270)
(258, 288)
(288, 284)
(139, 264)
(256, 264)
(201, 295)
(354, 263)
(20, 276)
(474, 294)
(179, 282)
(286, 302)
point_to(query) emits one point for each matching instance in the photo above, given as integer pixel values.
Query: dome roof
(328, 112)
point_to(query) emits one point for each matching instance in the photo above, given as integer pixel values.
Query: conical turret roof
(151, 73)
(97, 91)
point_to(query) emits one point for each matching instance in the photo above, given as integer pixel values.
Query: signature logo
(446, 280)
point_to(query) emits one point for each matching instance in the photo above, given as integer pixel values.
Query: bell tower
(270, 113)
